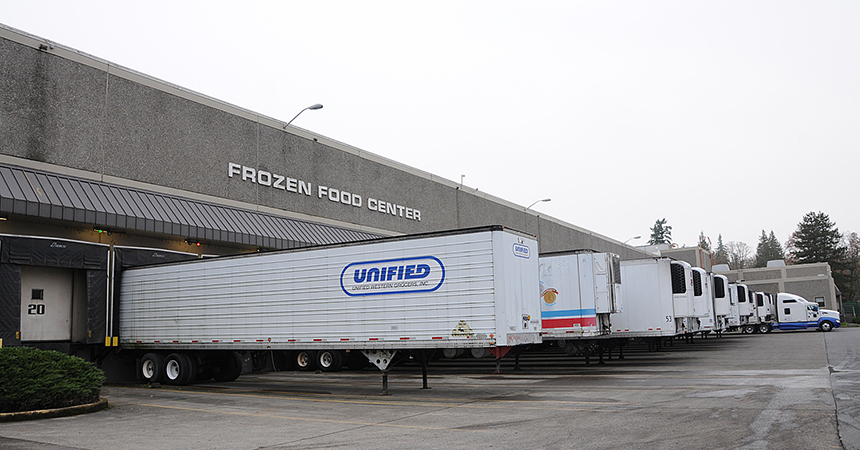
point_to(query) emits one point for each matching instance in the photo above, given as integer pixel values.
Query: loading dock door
(46, 303)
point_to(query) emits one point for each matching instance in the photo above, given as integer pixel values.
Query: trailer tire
(451, 353)
(329, 360)
(764, 328)
(305, 360)
(151, 367)
(179, 369)
(825, 326)
(479, 352)
(748, 329)
(230, 369)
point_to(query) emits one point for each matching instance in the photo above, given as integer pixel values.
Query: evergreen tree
(816, 240)
(851, 289)
(721, 255)
(778, 251)
(768, 249)
(661, 233)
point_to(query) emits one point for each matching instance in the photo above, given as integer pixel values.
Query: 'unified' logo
(393, 276)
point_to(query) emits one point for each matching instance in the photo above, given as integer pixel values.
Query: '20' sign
(36, 309)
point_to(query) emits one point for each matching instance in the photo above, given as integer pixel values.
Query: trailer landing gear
(381, 359)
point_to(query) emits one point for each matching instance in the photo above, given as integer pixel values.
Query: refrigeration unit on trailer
(703, 300)
(579, 290)
(459, 289)
(734, 318)
(722, 303)
(658, 299)
(746, 307)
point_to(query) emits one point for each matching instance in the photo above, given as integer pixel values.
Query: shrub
(32, 379)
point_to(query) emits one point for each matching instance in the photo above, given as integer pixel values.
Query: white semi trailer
(579, 290)
(658, 300)
(460, 289)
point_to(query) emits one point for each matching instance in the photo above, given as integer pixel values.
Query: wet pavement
(786, 389)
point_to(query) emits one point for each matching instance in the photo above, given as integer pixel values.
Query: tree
(768, 249)
(816, 240)
(660, 233)
(704, 241)
(721, 255)
(851, 242)
(738, 255)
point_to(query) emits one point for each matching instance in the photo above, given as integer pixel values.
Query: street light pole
(633, 238)
(316, 106)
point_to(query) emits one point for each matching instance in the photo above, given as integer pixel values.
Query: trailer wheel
(825, 325)
(763, 328)
(305, 360)
(748, 329)
(151, 367)
(479, 353)
(451, 353)
(179, 369)
(329, 360)
(230, 369)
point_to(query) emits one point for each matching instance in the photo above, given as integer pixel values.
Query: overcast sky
(722, 117)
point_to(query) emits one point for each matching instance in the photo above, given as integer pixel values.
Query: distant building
(813, 282)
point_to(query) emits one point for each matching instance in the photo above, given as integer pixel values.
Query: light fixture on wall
(539, 201)
(192, 242)
(316, 106)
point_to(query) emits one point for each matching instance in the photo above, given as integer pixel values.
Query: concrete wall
(72, 111)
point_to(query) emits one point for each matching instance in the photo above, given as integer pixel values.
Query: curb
(50, 413)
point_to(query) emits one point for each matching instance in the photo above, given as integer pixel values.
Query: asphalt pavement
(786, 389)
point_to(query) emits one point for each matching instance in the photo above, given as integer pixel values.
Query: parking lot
(779, 390)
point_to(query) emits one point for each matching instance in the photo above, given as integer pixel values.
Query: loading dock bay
(797, 389)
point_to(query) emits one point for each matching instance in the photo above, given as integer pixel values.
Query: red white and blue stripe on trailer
(569, 318)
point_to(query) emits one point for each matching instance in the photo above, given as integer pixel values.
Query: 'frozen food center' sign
(287, 184)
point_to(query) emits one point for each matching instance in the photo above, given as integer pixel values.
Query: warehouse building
(103, 167)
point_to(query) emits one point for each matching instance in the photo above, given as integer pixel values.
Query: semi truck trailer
(658, 300)
(579, 290)
(472, 288)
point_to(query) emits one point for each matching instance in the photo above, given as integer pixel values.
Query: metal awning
(42, 194)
